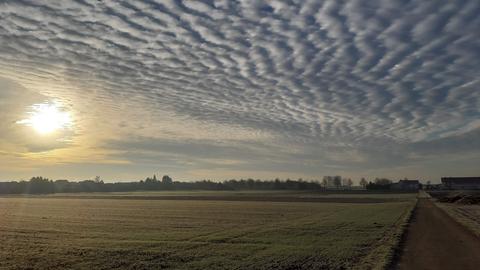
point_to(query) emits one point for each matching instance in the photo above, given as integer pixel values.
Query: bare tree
(363, 182)
(337, 181)
(349, 182)
(325, 181)
(98, 179)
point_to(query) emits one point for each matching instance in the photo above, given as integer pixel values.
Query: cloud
(351, 74)
(462, 144)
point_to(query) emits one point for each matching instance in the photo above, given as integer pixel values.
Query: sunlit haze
(47, 118)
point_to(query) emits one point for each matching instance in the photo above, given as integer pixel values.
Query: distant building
(406, 185)
(461, 182)
(331, 183)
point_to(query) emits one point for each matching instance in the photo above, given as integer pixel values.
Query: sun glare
(47, 118)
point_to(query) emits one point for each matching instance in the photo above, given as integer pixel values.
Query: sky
(238, 89)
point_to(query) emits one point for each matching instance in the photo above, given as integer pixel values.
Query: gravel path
(435, 241)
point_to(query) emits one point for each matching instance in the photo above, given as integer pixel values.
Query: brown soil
(435, 241)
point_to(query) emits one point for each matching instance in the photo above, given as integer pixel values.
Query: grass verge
(389, 249)
(467, 215)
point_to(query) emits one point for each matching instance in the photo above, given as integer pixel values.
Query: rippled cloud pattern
(369, 81)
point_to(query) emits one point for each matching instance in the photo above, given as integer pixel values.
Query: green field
(72, 232)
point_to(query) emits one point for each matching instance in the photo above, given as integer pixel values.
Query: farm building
(461, 182)
(406, 185)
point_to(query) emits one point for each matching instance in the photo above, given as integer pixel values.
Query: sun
(47, 118)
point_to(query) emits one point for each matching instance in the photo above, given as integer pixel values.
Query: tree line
(379, 184)
(41, 185)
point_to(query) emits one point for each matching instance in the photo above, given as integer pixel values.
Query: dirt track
(436, 241)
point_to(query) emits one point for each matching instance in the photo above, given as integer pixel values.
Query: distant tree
(337, 181)
(383, 181)
(349, 182)
(151, 183)
(380, 184)
(250, 183)
(363, 182)
(40, 185)
(166, 180)
(325, 181)
(277, 184)
(62, 186)
(151, 180)
(98, 179)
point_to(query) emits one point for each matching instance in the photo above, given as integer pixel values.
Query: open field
(102, 233)
(246, 193)
(269, 196)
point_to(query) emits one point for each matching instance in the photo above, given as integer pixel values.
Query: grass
(341, 196)
(269, 193)
(468, 215)
(54, 233)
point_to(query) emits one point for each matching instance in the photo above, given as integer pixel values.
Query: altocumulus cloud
(312, 86)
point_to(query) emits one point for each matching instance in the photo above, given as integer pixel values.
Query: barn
(406, 185)
(461, 182)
